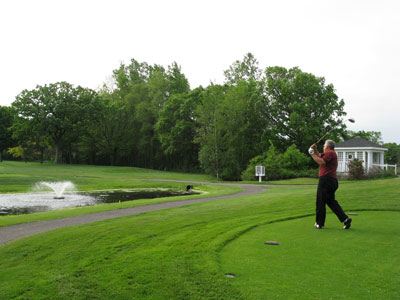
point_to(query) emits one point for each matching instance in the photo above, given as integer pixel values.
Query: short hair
(331, 144)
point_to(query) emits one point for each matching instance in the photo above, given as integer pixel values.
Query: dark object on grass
(229, 275)
(353, 214)
(272, 243)
(189, 188)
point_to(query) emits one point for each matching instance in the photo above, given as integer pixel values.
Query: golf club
(311, 150)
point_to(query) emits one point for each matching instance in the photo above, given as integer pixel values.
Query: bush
(273, 164)
(293, 159)
(249, 173)
(291, 164)
(377, 172)
(272, 160)
(356, 169)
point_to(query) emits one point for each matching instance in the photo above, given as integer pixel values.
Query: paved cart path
(13, 232)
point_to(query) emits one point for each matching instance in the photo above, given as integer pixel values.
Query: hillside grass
(184, 253)
(20, 177)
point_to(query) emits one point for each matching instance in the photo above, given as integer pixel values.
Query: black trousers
(327, 187)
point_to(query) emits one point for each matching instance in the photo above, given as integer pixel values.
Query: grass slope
(21, 177)
(183, 253)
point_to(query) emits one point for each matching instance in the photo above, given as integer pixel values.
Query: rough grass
(184, 253)
(21, 177)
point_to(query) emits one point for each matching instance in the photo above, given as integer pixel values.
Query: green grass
(184, 253)
(361, 263)
(295, 181)
(21, 177)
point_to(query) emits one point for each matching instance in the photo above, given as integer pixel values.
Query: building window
(360, 156)
(340, 156)
(376, 158)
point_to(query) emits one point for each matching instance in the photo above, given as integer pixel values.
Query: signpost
(260, 171)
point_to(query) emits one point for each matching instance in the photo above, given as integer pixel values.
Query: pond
(16, 204)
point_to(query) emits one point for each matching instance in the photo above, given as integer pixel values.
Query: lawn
(361, 263)
(184, 253)
(19, 177)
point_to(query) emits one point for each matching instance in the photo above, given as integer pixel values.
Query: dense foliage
(147, 116)
(6, 121)
(356, 169)
(290, 164)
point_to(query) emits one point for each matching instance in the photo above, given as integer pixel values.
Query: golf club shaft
(350, 120)
(317, 142)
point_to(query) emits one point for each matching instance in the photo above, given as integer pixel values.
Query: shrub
(377, 172)
(273, 164)
(249, 173)
(356, 169)
(291, 164)
(293, 159)
(272, 160)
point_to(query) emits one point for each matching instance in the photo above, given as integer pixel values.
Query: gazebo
(370, 153)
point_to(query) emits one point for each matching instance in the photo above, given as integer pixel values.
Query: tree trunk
(114, 156)
(41, 155)
(1, 157)
(57, 153)
(70, 154)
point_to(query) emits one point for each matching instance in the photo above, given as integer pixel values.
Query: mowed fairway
(361, 263)
(184, 253)
(19, 177)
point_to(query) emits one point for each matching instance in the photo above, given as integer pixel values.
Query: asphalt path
(13, 232)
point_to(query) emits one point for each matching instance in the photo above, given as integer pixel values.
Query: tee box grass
(186, 252)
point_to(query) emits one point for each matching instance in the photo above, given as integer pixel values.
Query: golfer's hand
(313, 146)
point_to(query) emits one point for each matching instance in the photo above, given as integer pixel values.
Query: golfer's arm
(318, 159)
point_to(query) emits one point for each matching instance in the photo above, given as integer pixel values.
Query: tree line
(148, 116)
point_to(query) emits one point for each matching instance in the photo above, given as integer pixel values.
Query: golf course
(207, 250)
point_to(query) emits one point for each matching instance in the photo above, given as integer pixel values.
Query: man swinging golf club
(327, 185)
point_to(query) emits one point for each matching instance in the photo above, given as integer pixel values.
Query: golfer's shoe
(347, 223)
(317, 226)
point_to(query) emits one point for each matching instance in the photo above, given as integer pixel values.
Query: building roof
(358, 142)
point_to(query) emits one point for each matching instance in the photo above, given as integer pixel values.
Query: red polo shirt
(331, 163)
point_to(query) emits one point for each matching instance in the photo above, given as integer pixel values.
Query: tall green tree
(392, 156)
(111, 132)
(244, 70)
(146, 89)
(372, 136)
(210, 133)
(299, 107)
(6, 121)
(241, 128)
(176, 129)
(230, 130)
(55, 110)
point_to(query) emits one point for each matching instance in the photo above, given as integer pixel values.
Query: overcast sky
(355, 45)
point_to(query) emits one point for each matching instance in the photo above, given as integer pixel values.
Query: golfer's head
(329, 144)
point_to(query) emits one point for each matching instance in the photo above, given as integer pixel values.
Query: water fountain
(57, 187)
(63, 195)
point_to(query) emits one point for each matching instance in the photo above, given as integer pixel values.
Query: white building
(370, 153)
